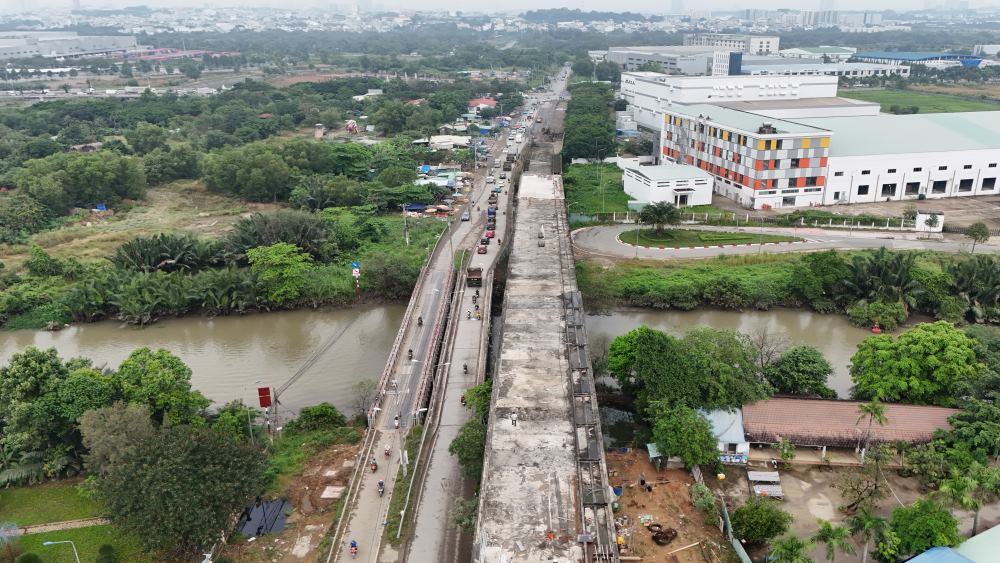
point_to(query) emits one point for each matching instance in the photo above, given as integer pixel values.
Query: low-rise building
(677, 59)
(822, 53)
(670, 182)
(914, 57)
(755, 44)
(804, 67)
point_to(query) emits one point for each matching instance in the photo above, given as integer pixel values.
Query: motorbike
(381, 488)
(387, 451)
(477, 293)
(374, 466)
(354, 551)
(468, 315)
(420, 321)
(410, 353)
(396, 421)
(465, 368)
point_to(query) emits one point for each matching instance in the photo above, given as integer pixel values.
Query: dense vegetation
(589, 125)
(881, 286)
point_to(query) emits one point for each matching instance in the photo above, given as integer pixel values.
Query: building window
(888, 190)
(795, 163)
(912, 188)
(811, 181)
(863, 189)
(939, 187)
(891, 171)
(993, 165)
(788, 201)
(965, 185)
(838, 173)
(967, 167)
(942, 167)
(918, 169)
(865, 172)
(989, 183)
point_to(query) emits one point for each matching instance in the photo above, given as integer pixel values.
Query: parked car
(482, 249)
(466, 216)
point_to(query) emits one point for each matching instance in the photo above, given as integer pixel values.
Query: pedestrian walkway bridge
(544, 494)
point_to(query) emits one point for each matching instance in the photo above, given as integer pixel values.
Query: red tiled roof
(818, 422)
(482, 102)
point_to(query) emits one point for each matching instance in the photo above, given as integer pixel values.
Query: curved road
(603, 241)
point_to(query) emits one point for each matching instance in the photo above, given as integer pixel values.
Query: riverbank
(867, 286)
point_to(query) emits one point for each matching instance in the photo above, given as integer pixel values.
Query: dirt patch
(179, 206)
(965, 90)
(667, 505)
(290, 79)
(313, 510)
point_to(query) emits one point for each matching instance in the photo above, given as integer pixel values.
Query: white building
(650, 93)
(727, 427)
(991, 50)
(754, 44)
(679, 184)
(60, 44)
(673, 59)
(898, 157)
(823, 52)
(846, 70)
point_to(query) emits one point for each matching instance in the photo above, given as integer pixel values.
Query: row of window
(917, 169)
(938, 187)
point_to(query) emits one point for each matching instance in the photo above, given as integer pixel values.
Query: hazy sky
(646, 6)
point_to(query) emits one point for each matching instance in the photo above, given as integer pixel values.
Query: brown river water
(227, 355)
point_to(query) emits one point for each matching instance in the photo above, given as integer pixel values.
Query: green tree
(932, 363)
(477, 399)
(923, 525)
(834, 538)
(114, 433)
(253, 172)
(196, 475)
(801, 370)
(469, 447)
(20, 216)
(282, 269)
(870, 527)
(883, 276)
(864, 487)
(659, 214)
(145, 138)
(683, 432)
(161, 381)
(978, 233)
(396, 176)
(971, 489)
(791, 549)
(28, 376)
(172, 163)
(323, 416)
(759, 520)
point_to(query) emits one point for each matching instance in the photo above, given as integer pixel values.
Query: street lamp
(70, 542)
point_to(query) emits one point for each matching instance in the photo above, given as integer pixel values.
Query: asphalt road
(435, 537)
(603, 241)
(368, 515)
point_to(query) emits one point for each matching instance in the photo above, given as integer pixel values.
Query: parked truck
(474, 277)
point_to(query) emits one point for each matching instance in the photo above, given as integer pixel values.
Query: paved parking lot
(958, 211)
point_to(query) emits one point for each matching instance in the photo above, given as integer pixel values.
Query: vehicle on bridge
(474, 277)
(484, 241)
(482, 249)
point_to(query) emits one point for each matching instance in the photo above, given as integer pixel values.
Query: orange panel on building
(822, 162)
(803, 163)
(800, 182)
(758, 165)
(756, 184)
(821, 181)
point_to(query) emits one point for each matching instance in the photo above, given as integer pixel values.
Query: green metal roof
(744, 121)
(982, 548)
(899, 134)
(671, 171)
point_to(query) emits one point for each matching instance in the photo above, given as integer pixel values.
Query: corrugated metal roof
(818, 422)
(904, 134)
(911, 55)
(941, 555)
(982, 548)
(745, 121)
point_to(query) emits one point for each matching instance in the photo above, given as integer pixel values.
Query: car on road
(485, 241)
(466, 216)
(490, 179)
(503, 175)
(489, 234)
(482, 249)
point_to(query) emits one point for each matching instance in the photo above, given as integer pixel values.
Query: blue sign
(355, 264)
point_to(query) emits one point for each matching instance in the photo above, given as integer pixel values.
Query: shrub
(760, 520)
(323, 416)
(28, 558)
(41, 264)
(704, 501)
(888, 315)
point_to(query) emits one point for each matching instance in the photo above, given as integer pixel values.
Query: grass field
(583, 183)
(41, 504)
(88, 541)
(928, 103)
(677, 238)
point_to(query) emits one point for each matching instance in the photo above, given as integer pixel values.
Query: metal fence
(727, 528)
(741, 219)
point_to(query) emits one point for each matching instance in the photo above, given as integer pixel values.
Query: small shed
(765, 484)
(727, 427)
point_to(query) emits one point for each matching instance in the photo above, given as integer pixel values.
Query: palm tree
(659, 214)
(971, 489)
(836, 538)
(883, 276)
(977, 282)
(874, 410)
(791, 549)
(869, 526)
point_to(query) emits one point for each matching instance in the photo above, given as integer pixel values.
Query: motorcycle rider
(410, 353)
(420, 321)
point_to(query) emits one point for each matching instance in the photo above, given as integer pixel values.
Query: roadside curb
(623, 243)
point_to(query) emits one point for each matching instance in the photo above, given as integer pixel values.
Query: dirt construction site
(665, 505)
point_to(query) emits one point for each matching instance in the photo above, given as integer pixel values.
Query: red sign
(264, 396)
